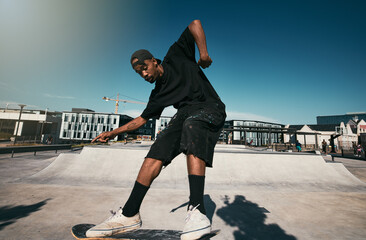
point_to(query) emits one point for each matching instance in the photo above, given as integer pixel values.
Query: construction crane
(121, 100)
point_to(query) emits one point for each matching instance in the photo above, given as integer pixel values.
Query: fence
(35, 149)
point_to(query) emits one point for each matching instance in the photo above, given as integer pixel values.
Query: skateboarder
(194, 129)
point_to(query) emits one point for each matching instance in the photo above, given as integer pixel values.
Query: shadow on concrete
(210, 206)
(9, 214)
(249, 218)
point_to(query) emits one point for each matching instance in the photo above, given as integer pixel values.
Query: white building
(311, 134)
(85, 124)
(160, 124)
(347, 133)
(351, 132)
(33, 124)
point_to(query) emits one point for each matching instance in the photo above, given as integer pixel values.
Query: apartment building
(85, 124)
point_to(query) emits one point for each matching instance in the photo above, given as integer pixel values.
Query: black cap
(141, 56)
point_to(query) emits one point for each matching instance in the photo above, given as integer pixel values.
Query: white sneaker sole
(195, 234)
(113, 231)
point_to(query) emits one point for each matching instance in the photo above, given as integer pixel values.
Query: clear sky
(283, 61)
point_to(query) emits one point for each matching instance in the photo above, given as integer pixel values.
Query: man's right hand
(204, 61)
(104, 137)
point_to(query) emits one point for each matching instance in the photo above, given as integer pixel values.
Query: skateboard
(78, 231)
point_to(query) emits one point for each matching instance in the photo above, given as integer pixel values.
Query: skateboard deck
(78, 231)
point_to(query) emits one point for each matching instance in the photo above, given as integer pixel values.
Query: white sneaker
(115, 224)
(197, 225)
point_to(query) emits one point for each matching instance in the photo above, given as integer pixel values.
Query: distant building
(160, 124)
(146, 132)
(85, 124)
(346, 133)
(337, 119)
(35, 125)
(312, 135)
(358, 127)
(255, 136)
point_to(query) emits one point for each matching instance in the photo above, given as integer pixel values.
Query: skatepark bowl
(249, 194)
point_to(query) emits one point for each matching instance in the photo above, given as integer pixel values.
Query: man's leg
(197, 224)
(149, 170)
(196, 176)
(166, 148)
(128, 218)
(195, 165)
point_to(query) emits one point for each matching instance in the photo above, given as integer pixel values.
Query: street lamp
(20, 114)
(43, 125)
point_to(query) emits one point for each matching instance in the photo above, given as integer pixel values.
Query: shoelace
(113, 214)
(190, 211)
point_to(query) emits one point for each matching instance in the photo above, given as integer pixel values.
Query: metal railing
(35, 149)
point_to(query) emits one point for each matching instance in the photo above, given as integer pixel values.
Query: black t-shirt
(183, 82)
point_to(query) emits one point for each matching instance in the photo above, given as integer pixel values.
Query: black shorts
(193, 130)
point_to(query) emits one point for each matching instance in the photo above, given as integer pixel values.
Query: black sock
(196, 188)
(132, 206)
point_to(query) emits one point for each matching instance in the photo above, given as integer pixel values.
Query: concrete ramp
(288, 171)
(237, 170)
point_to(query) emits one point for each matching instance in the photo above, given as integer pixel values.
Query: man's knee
(152, 164)
(149, 170)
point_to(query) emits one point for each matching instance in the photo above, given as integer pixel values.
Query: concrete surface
(249, 194)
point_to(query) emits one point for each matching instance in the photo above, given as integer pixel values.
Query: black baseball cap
(141, 56)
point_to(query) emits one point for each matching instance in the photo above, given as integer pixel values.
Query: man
(194, 130)
(298, 146)
(324, 147)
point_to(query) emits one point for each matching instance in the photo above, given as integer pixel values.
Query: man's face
(148, 71)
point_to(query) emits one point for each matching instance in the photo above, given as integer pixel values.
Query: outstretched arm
(130, 126)
(200, 38)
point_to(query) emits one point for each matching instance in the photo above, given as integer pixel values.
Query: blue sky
(278, 61)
